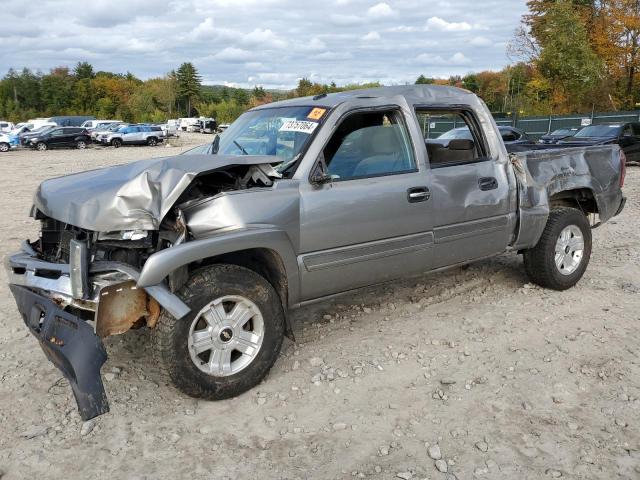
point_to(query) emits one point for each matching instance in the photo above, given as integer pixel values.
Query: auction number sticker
(301, 126)
(316, 113)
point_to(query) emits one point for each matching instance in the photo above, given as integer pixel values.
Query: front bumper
(70, 344)
(44, 290)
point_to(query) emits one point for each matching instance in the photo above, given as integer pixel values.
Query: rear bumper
(70, 344)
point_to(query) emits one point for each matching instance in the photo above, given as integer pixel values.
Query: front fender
(161, 264)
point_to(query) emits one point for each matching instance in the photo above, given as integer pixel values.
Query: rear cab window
(452, 137)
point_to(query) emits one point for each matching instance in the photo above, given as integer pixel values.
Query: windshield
(457, 133)
(599, 131)
(565, 132)
(281, 131)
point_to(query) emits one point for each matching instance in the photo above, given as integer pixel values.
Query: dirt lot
(473, 371)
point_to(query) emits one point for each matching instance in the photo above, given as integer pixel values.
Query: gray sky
(263, 42)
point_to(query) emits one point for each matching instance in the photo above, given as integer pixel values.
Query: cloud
(438, 24)
(346, 20)
(381, 10)
(234, 55)
(481, 42)
(371, 37)
(271, 42)
(264, 38)
(456, 59)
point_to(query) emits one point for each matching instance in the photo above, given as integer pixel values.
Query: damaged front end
(78, 283)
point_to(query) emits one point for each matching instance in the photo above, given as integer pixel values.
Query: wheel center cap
(226, 334)
(567, 249)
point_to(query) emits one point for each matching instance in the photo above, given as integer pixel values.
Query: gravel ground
(470, 373)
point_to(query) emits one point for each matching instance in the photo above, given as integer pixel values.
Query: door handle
(487, 183)
(418, 194)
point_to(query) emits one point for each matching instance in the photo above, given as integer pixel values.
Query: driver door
(372, 222)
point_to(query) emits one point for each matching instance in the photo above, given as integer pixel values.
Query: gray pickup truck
(301, 200)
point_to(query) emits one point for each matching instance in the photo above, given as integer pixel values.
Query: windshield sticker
(316, 113)
(298, 126)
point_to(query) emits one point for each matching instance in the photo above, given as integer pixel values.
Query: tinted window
(369, 144)
(599, 131)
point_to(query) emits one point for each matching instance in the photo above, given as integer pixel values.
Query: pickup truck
(300, 200)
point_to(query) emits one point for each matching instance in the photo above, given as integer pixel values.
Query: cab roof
(414, 95)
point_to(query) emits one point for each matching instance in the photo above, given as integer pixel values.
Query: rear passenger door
(57, 137)
(471, 193)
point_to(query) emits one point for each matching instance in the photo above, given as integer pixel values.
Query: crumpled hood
(133, 196)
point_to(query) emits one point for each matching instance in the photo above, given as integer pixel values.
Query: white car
(6, 127)
(7, 142)
(98, 124)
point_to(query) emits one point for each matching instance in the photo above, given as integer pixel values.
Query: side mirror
(320, 175)
(320, 178)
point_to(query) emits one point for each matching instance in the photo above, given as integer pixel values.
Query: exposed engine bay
(133, 247)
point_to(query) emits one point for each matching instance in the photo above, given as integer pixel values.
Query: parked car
(7, 142)
(61, 137)
(208, 125)
(509, 135)
(134, 135)
(6, 127)
(98, 135)
(98, 124)
(24, 137)
(557, 135)
(223, 127)
(627, 135)
(189, 124)
(212, 252)
(171, 128)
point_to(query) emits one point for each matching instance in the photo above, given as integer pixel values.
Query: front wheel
(81, 144)
(4, 147)
(230, 339)
(41, 146)
(116, 143)
(562, 254)
(152, 141)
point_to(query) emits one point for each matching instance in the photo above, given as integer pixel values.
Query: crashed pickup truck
(298, 201)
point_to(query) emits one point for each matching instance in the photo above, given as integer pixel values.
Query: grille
(54, 240)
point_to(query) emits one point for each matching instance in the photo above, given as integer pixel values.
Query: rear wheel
(562, 254)
(4, 147)
(152, 141)
(41, 146)
(230, 339)
(116, 142)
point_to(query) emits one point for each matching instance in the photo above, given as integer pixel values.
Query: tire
(4, 147)
(152, 141)
(174, 344)
(41, 146)
(81, 144)
(553, 263)
(116, 143)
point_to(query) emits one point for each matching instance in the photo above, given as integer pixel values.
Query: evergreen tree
(188, 83)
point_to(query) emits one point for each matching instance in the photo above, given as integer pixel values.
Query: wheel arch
(266, 252)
